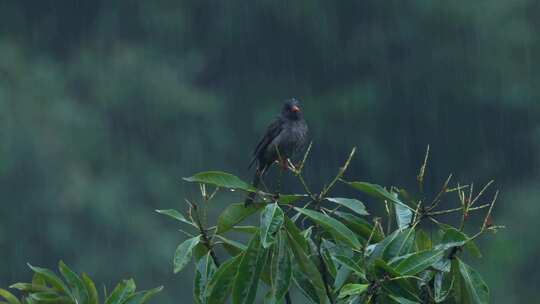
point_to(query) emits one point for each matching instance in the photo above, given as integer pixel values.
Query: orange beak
(295, 109)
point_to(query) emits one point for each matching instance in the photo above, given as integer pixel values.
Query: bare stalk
(421, 173)
(439, 195)
(339, 175)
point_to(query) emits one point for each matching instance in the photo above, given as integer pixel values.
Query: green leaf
(360, 226)
(307, 268)
(52, 279)
(38, 279)
(459, 291)
(74, 282)
(121, 292)
(247, 278)
(396, 244)
(452, 238)
(142, 297)
(351, 203)
(442, 286)
(50, 297)
(419, 261)
(350, 264)
(342, 276)
(401, 300)
(176, 215)
(305, 286)
(337, 229)
(476, 288)
(272, 219)
(198, 252)
(28, 287)
(290, 198)
(281, 270)
(245, 229)
(295, 233)
(377, 192)
(400, 287)
(403, 216)
(423, 241)
(220, 285)
(9, 297)
(328, 261)
(90, 289)
(220, 179)
(455, 238)
(204, 271)
(234, 248)
(234, 214)
(183, 253)
(352, 290)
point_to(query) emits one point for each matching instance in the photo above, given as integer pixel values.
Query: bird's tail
(255, 183)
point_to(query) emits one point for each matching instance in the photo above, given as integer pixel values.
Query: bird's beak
(295, 109)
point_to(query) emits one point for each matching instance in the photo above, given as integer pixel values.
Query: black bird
(283, 137)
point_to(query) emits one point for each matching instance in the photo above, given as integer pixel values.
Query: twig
(299, 170)
(458, 188)
(339, 175)
(456, 209)
(389, 222)
(481, 192)
(417, 216)
(488, 215)
(444, 190)
(465, 205)
(420, 176)
(306, 188)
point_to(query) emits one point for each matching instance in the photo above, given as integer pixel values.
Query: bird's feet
(284, 163)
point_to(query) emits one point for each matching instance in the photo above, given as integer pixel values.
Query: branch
(204, 233)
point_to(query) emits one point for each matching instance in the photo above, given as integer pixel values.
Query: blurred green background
(104, 105)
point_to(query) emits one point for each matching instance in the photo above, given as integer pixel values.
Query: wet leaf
(377, 192)
(220, 179)
(74, 282)
(351, 203)
(234, 214)
(219, 287)
(121, 292)
(176, 215)
(419, 261)
(272, 219)
(142, 297)
(9, 297)
(476, 289)
(247, 278)
(183, 253)
(281, 270)
(352, 290)
(52, 279)
(337, 229)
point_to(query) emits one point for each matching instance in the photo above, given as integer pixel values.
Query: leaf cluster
(328, 248)
(71, 288)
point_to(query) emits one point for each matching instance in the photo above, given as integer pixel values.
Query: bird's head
(291, 109)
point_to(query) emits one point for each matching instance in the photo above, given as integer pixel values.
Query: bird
(284, 136)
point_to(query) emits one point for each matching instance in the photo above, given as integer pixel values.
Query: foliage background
(104, 105)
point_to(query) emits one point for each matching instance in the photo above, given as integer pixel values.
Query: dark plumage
(285, 135)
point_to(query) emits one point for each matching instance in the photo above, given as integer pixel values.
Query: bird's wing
(272, 132)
